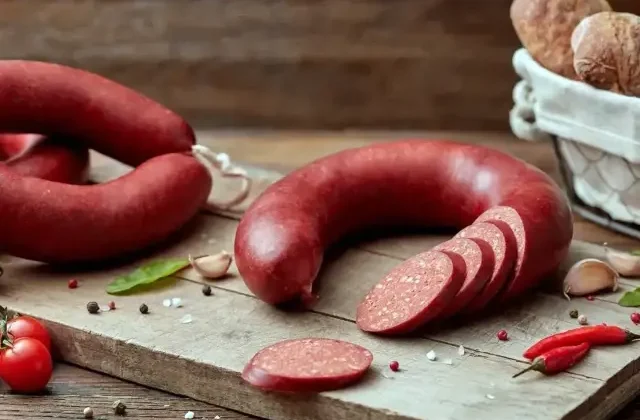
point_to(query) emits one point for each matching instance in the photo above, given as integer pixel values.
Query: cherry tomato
(25, 326)
(27, 366)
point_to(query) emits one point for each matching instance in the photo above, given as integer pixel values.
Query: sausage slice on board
(412, 294)
(307, 365)
(503, 245)
(479, 261)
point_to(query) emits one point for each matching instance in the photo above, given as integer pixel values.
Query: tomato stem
(5, 336)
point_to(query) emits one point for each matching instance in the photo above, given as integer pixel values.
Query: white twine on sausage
(222, 163)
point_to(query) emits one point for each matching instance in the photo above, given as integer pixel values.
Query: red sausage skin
(280, 241)
(59, 223)
(45, 158)
(60, 101)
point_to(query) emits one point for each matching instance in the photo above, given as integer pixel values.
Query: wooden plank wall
(413, 64)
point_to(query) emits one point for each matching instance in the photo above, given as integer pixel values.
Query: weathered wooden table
(72, 388)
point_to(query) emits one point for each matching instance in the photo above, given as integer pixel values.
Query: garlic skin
(212, 266)
(589, 276)
(627, 265)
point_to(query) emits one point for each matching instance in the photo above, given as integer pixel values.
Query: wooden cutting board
(202, 358)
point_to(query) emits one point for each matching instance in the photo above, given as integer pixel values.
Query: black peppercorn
(93, 307)
(206, 290)
(119, 408)
(573, 314)
(144, 308)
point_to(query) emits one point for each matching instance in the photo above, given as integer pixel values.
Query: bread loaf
(606, 50)
(545, 28)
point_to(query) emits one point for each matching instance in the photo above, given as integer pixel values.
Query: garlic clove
(212, 266)
(626, 264)
(589, 276)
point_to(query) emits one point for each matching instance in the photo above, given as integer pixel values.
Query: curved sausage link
(281, 239)
(65, 102)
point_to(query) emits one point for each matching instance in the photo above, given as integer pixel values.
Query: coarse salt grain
(461, 350)
(189, 415)
(431, 355)
(491, 397)
(166, 303)
(177, 302)
(217, 418)
(447, 361)
(186, 319)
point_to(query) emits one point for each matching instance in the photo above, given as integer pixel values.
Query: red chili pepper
(558, 359)
(592, 334)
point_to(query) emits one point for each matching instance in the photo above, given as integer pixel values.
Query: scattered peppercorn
(88, 413)
(394, 366)
(93, 307)
(574, 313)
(112, 305)
(206, 290)
(590, 297)
(582, 320)
(119, 408)
(72, 284)
(635, 318)
(502, 335)
(144, 308)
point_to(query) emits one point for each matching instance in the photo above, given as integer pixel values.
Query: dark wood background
(413, 64)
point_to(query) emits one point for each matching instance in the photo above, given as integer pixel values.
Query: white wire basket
(596, 135)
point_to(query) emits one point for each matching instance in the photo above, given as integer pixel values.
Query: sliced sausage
(503, 245)
(64, 102)
(280, 241)
(415, 292)
(539, 242)
(39, 157)
(307, 365)
(479, 261)
(59, 223)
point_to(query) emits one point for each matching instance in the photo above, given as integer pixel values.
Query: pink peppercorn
(112, 305)
(635, 318)
(72, 284)
(394, 366)
(502, 335)
(589, 297)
